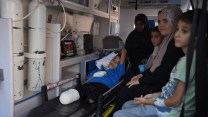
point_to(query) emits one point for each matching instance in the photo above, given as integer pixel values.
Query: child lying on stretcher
(110, 69)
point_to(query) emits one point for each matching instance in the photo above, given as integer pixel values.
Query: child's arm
(123, 56)
(148, 99)
(97, 74)
(88, 79)
(121, 68)
(174, 101)
(91, 74)
(152, 96)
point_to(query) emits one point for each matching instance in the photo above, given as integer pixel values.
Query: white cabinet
(100, 7)
(80, 2)
(32, 99)
(56, 69)
(104, 12)
(6, 63)
(88, 6)
(77, 64)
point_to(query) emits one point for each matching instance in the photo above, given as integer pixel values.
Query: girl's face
(182, 35)
(139, 26)
(156, 38)
(163, 25)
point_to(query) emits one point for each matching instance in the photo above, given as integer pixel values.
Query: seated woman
(156, 39)
(98, 82)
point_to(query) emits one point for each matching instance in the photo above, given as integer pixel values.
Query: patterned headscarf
(172, 14)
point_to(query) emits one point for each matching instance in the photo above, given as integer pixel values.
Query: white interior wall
(184, 5)
(127, 19)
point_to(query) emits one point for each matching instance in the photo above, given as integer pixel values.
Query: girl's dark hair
(188, 16)
(119, 55)
(155, 29)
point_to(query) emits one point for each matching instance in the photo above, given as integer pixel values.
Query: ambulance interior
(55, 43)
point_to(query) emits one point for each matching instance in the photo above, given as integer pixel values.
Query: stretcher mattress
(54, 108)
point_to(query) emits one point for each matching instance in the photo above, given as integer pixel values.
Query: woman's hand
(143, 100)
(134, 80)
(140, 100)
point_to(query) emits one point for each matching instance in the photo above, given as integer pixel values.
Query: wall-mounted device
(85, 44)
(88, 43)
(68, 48)
(114, 8)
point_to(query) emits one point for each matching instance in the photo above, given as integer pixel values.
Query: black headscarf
(138, 44)
(143, 18)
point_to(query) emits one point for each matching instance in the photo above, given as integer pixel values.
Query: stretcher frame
(95, 110)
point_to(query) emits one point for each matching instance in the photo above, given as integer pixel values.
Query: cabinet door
(100, 5)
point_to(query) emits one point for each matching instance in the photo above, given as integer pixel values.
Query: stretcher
(53, 107)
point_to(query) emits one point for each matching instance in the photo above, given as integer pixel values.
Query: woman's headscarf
(172, 14)
(143, 18)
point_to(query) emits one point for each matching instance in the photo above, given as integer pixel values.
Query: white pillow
(69, 96)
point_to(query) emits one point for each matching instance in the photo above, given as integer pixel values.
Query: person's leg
(127, 94)
(128, 75)
(96, 89)
(91, 91)
(138, 111)
(129, 104)
(83, 92)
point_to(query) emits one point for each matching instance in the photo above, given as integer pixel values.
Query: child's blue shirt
(143, 67)
(111, 79)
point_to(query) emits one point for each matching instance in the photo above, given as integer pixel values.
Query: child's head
(183, 30)
(108, 62)
(114, 62)
(117, 58)
(156, 37)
